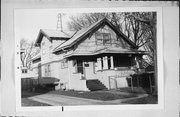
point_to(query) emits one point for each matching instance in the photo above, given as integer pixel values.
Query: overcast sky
(28, 22)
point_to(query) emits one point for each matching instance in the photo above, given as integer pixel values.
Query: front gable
(40, 37)
(102, 38)
(85, 33)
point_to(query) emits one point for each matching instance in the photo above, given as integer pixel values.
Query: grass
(150, 99)
(29, 102)
(97, 95)
(105, 95)
(136, 90)
(26, 94)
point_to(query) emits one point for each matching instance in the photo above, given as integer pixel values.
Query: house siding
(75, 81)
(89, 44)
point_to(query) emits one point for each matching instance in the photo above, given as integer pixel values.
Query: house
(96, 57)
(25, 72)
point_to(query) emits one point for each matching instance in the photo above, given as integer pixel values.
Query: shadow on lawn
(38, 90)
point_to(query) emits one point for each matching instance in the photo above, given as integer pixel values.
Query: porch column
(112, 62)
(99, 63)
(105, 62)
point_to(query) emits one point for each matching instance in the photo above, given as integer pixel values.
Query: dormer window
(103, 38)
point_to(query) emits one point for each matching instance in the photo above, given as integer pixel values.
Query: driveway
(61, 100)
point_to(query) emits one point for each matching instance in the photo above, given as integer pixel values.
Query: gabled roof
(53, 34)
(85, 31)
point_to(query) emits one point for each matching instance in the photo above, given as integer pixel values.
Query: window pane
(106, 36)
(99, 38)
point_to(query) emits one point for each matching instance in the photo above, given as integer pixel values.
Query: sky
(28, 22)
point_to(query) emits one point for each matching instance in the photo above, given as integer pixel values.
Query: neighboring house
(25, 72)
(99, 55)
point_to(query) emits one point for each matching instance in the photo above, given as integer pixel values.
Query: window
(47, 70)
(24, 70)
(64, 64)
(103, 38)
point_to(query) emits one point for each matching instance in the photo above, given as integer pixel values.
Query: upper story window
(103, 38)
(47, 70)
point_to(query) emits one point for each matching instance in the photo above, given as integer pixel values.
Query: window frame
(47, 70)
(100, 36)
(76, 65)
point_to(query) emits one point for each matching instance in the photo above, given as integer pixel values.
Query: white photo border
(160, 67)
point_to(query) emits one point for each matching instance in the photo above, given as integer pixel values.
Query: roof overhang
(107, 52)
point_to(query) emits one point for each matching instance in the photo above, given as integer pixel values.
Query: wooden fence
(27, 84)
(145, 80)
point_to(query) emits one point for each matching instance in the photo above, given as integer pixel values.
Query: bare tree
(139, 27)
(84, 20)
(134, 25)
(28, 51)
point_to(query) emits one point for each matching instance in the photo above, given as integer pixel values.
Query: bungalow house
(96, 57)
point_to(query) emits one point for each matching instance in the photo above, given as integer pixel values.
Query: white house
(96, 57)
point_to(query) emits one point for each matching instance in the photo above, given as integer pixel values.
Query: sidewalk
(61, 100)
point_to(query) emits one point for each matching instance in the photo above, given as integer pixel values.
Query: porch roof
(104, 50)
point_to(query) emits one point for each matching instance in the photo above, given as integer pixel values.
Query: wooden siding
(89, 44)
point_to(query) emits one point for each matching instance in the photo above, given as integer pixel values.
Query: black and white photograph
(87, 58)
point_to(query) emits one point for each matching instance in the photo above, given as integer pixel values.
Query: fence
(27, 84)
(145, 80)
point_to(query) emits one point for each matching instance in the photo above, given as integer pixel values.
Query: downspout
(69, 83)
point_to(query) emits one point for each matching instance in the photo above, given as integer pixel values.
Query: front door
(89, 70)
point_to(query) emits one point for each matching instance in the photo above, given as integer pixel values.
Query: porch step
(95, 84)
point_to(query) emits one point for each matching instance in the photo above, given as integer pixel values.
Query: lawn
(136, 90)
(29, 102)
(145, 100)
(97, 95)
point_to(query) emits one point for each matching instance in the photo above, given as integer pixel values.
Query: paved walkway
(61, 100)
